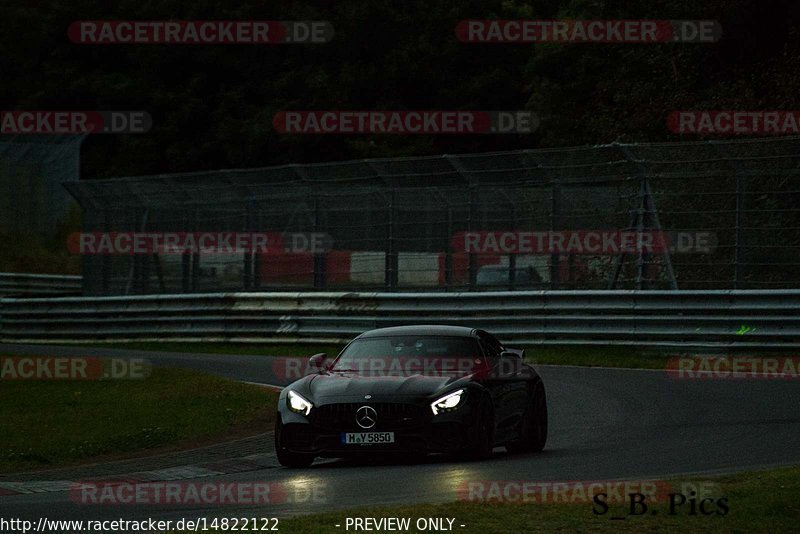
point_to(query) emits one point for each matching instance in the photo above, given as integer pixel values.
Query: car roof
(421, 330)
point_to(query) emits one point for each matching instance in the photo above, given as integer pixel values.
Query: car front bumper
(426, 433)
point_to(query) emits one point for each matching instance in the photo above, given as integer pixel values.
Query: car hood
(381, 388)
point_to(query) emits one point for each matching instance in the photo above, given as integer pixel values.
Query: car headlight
(448, 403)
(297, 403)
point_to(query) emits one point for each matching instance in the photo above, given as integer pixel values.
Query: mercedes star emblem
(366, 417)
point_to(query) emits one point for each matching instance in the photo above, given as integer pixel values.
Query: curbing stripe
(233, 465)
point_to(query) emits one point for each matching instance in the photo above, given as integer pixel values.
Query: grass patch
(631, 357)
(620, 356)
(244, 349)
(758, 502)
(55, 423)
(628, 357)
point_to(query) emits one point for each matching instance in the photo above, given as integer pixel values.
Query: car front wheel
(482, 435)
(285, 457)
(533, 434)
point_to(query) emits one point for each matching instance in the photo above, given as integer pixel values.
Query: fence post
(186, 264)
(135, 273)
(646, 205)
(472, 259)
(319, 256)
(196, 256)
(247, 255)
(106, 266)
(390, 276)
(555, 222)
(257, 255)
(448, 255)
(738, 244)
(512, 257)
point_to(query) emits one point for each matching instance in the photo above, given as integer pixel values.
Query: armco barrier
(20, 284)
(745, 319)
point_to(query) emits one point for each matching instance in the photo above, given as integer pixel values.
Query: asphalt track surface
(605, 424)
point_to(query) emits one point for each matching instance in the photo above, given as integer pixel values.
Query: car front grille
(342, 416)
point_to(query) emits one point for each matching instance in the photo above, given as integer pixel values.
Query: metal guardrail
(741, 319)
(21, 284)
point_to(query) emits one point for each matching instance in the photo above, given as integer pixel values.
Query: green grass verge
(619, 356)
(631, 357)
(245, 349)
(55, 423)
(627, 357)
(758, 502)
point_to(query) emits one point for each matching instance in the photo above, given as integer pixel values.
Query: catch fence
(691, 216)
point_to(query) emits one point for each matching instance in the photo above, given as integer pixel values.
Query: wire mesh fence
(701, 215)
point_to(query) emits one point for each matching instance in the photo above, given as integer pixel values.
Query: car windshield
(407, 355)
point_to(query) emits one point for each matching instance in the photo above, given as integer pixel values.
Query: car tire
(287, 458)
(482, 434)
(533, 434)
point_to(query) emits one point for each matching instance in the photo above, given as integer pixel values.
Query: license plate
(367, 438)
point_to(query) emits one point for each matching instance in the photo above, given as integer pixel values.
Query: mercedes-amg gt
(413, 390)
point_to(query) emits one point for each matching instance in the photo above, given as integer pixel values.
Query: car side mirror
(514, 354)
(317, 362)
(510, 364)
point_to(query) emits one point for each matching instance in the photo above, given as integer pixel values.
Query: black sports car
(413, 389)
